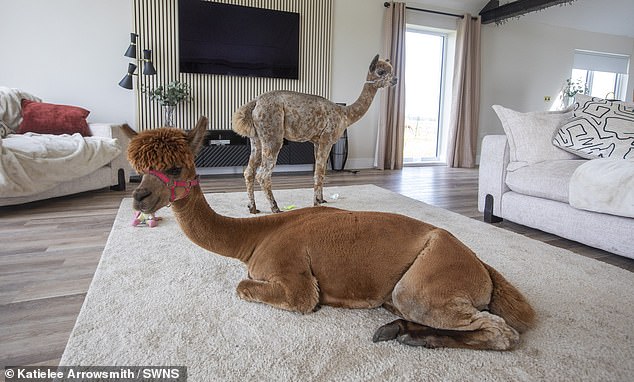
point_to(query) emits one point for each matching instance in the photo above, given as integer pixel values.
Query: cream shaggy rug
(157, 299)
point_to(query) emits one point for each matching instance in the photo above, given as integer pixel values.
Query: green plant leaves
(171, 94)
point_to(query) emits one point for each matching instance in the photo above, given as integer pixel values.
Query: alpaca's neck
(220, 234)
(355, 111)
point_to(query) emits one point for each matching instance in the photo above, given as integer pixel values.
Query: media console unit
(225, 148)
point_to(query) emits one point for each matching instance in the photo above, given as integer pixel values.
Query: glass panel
(603, 85)
(423, 73)
(579, 75)
(599, 84)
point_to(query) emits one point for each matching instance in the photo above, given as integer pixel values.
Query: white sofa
(537, 196)
(112, 175)
(568, 172)
(49, 150)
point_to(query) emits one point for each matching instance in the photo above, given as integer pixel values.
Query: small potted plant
(570, 89)
(169, 96)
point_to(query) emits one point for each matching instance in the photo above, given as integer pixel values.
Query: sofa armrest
(120, 167)
(102, 129)
(494, 159)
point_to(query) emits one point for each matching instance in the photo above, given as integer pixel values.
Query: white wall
(69, 52)
(357, 38)
(524, 61)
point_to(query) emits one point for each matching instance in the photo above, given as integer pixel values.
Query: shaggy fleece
(157, 299)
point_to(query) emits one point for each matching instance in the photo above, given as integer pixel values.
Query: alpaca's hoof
(320, 201)
(244, 292)
(253, 210)
(386, 332)
(275, 210)
(428, 342)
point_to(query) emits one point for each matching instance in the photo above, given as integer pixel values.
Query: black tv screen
(219, 38)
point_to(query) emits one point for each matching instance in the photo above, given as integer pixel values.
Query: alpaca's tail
(243, 120)
(508, 303)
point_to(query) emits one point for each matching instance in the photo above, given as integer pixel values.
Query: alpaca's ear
(373, 63)
(197, 136)
(128, 131)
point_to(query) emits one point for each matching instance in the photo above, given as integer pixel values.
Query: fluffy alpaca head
(170, 151)
(160, 149)
(166, 148)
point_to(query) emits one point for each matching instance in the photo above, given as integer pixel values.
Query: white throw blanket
(604, 185)
(31, 163)
(10, 106)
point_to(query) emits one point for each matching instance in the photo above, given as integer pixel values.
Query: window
(425, 54)
(604, 74)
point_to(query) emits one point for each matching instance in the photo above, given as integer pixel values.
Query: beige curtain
(389, 145)
(465, 108)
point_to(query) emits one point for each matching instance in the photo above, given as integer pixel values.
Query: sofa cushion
(599, 129)
(48, 118)
(530, 135)
(547, 180)
(11, 107)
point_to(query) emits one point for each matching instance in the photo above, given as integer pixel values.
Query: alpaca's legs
(269, 157)
(298, 294)
(440, 311)
(255, 159)
(413, 334)
(321, 158)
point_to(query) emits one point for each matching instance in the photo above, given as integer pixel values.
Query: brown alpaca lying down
(302, 259)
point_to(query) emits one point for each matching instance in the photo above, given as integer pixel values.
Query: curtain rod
(387, 5)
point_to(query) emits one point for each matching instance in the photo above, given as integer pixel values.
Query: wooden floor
(49, 250)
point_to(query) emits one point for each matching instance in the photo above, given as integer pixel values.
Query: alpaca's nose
(141, 193)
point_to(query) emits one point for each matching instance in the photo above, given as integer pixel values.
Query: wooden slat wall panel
(217, 96)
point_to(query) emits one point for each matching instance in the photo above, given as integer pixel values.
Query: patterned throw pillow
(599, 129)
(4, 130)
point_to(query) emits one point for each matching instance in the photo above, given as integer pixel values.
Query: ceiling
(611, 17)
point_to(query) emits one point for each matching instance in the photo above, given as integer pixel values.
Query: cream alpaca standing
(299, 117)
(300, 259)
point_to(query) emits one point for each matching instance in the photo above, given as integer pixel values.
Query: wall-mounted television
(218, 38)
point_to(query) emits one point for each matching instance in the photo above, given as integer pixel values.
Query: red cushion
(47, 118)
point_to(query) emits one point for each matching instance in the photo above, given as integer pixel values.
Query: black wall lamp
(148, 66)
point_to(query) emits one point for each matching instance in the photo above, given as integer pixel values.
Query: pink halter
(173, 184)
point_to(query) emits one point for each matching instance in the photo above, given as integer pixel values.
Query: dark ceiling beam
(493, 12)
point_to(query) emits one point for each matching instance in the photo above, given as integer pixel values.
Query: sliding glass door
(425, 54)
